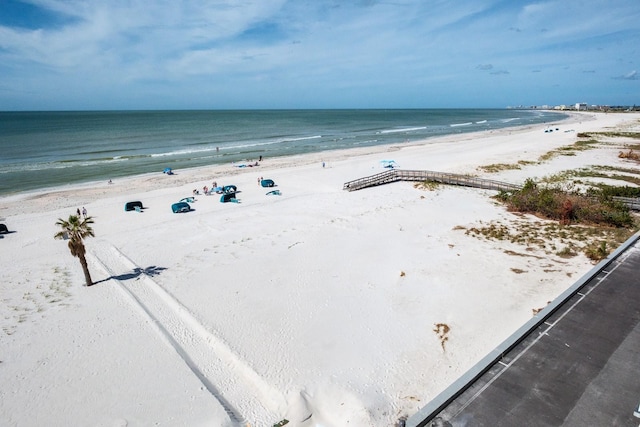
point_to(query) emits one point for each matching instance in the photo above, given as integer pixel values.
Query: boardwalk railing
(450, 178)
(419, 176)
(631, 202)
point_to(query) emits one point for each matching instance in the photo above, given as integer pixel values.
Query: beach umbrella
(390, 164)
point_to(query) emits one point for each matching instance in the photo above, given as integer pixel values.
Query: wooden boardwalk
(632, 203)
(394, 175)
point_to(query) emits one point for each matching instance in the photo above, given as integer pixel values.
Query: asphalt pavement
(579, 365)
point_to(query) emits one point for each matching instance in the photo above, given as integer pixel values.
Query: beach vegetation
(552, 237)
(573, 176)
(631, 155)
(583, 144)
(538, 310)
(442, 331)
(633, 135)
(497, 167)
(427, 185)
(546, 156)
(598, 251)
(75, 230)
(609, 191)
(567, 252)
(569, 150)
(553, 202)
(632, 171)
(591, 221)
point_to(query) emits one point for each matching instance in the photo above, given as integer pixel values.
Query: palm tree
(76, 230)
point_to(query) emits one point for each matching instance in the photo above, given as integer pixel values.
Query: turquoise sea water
(46, 149)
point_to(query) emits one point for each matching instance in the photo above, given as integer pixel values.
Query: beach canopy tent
(180, 207)
(230, 189)
(3, 228)
(267, 183)
(168, 171)
(389, 164)
(228, 197)
(133, 206)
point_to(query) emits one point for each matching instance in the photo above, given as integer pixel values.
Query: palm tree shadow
(150, 271)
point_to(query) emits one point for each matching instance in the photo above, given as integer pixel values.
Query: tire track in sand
(244, 395)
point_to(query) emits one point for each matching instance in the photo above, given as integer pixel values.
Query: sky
(237, 54)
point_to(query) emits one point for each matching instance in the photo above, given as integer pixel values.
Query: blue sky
(198, 54)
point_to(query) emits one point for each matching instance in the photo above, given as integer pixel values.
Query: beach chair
(133, 206)
(229, 189)
(180, 207)
(229, 197)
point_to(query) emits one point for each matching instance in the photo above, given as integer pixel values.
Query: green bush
(608, 191)
(596, 207)
(597, 252)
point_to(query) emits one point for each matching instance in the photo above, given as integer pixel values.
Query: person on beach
(84, 212)
(78, 212)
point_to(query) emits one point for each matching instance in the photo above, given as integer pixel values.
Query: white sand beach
(319, 306)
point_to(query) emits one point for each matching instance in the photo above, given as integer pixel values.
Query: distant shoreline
(145, 181)
(45, 150)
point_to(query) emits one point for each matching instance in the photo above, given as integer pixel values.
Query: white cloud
(633, 75)
(325, 46)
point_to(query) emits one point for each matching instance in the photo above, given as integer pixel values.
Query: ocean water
(40, 150)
